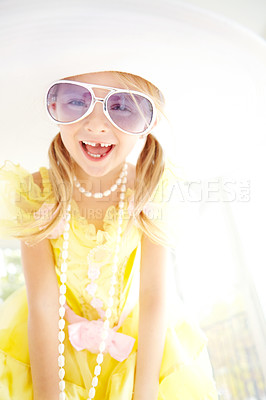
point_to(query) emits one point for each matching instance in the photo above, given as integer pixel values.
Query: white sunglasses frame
(103, 100)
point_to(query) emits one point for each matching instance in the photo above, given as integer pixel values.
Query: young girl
(93, 322)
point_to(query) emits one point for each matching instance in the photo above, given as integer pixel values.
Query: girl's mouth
(96, 151)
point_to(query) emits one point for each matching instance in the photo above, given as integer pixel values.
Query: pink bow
(85, 334)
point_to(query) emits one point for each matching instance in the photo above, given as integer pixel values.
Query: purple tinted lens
(67, 102)
(131, 112)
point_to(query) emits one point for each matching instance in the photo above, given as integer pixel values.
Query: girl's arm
(42, 294)
(152, 319)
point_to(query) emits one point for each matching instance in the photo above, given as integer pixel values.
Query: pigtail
(149, 169)
(61, 172)
(61, 178)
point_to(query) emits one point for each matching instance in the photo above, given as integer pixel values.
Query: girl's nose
(96, 121)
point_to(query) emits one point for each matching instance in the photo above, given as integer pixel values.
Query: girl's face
(97, 129)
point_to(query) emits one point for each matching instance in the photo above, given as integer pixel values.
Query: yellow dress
(185, 370)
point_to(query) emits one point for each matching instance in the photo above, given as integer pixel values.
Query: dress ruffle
(20, 198)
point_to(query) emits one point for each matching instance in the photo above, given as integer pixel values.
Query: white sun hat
(211, 71)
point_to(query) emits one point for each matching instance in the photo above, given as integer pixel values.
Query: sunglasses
(129, 111)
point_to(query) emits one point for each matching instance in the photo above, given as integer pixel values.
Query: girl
(82, 329)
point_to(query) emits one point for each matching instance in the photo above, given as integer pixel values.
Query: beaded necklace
(63, 277)
(99, 195)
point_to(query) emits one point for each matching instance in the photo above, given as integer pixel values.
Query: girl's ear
(155, 124)
(142, 136)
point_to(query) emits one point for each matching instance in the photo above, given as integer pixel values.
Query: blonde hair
(149, 169)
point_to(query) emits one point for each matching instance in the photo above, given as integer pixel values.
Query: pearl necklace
(99, 195)
(108, 312)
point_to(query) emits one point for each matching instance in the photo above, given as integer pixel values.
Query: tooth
(105, 144)
(94, 155)
(89, 143)
(95, 144)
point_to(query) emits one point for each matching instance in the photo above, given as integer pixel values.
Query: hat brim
(204, 65)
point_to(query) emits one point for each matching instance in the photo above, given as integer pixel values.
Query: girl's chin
(99, 170)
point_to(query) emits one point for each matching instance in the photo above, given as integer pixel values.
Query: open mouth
(96, 151)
